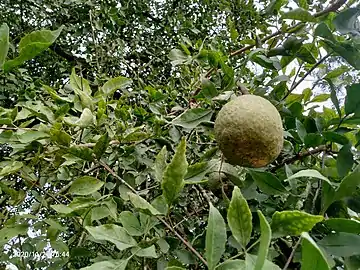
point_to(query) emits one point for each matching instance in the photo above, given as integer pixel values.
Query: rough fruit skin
(249, 131)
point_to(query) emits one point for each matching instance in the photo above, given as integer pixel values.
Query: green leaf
(293, 222)
(14, 167)
(309, 173)
(178, 57)
(347, 21)
(208, 89)
(135, 137)
(108, 265)
(84, 153)
(130, 223)
(322, 30)
(142, 204)
(174, 268)
(250, 262)
(346, 50)
(215, 238)
(99, 212)
(4, 43)
(160, 204)
(10, 231)
(62, 208)
(116, 84)
(320, 98)
(196, 172)
(306, 55)
(313, 140)
(148, 252)
(274, 6)
(86, 119)
(61, 137)
(85, 185)
(101, 145)
(239, 218)
(335, 137)
(341, 244)
(333, 96)
(299, 14)
(160, 164)
(232, 265)
(348, 185)
(336, 72)
(31, 135)
(312, 256)
(352, 263)
(173, 178)
(31, 45)
(345, 160)
(112, 233)
(352, 99)
(193, 117)
(343, 225)
(268, 183)
(300, 130)
(265, 240)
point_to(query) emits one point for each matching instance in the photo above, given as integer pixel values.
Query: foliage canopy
(108, 158)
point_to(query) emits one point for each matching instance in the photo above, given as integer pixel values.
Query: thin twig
(186, 243)
(292, 254)
(306, 74)
(335, 6)
(117, 176)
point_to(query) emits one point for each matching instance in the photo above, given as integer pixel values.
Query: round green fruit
(249, 131)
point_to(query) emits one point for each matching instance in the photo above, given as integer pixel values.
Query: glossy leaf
(250, 262)
(130, 223)
(196, 172)
(299, 14)
(31, 135)
(160, 164)
(215, 238)
(341, 244)
(178, 57)
(14, 167)
(208, 89)
(336, 72)
(343, 225)
(31, 45)
(232, 265)
(108, 265)
(268, 183)
(347, 21)
(101, 145)
(193, 117)
(348, 185)
(239, 218)
(173, 178)
(301, 130)
(265, 240)
(85, 185)
(312, 256)
(309, 173)
(114, 84)
(148, 252)
(142, 204)
(4, 43)
(345, 160)
(293, 222)
(112, 233)
(86, 119)
(335, 137)
(352, 99)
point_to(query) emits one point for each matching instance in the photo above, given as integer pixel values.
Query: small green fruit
(249, 131)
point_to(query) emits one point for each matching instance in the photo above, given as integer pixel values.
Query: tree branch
(300, 156)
